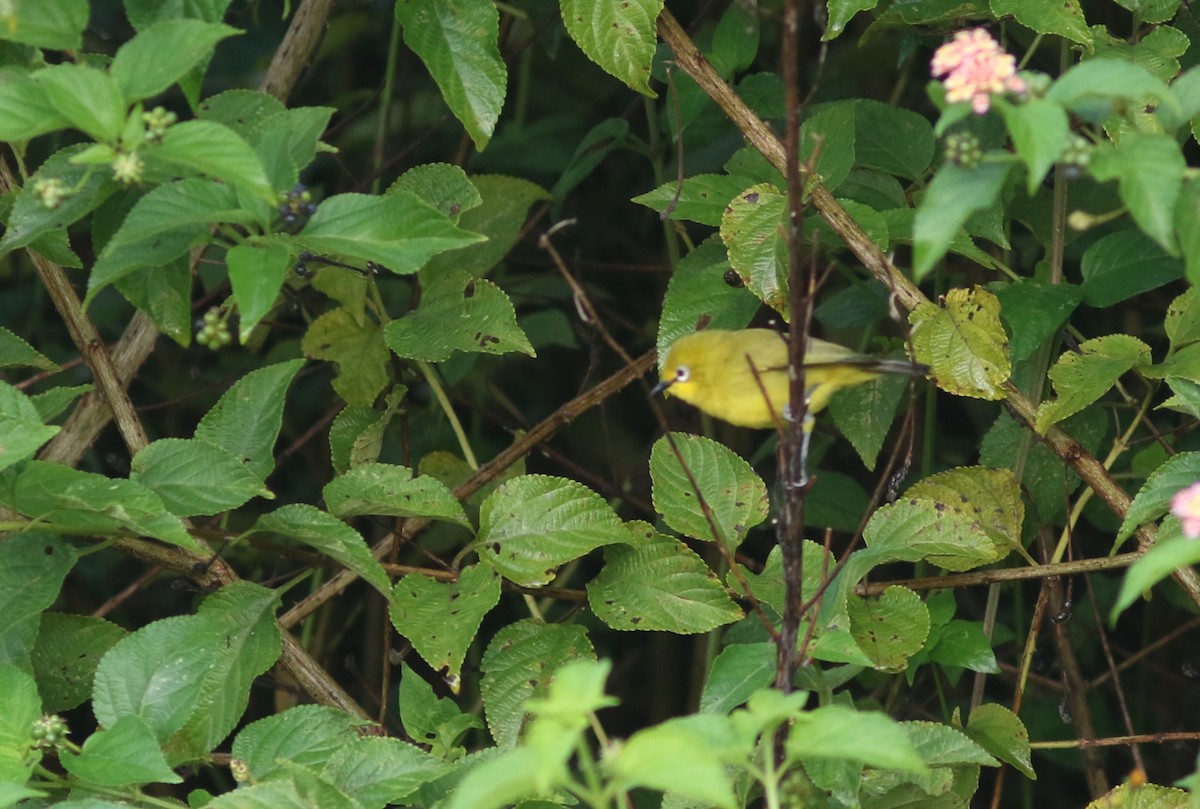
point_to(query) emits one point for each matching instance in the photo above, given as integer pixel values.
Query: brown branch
(982, 577)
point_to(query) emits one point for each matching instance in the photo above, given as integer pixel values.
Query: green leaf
(752, 230)
(245, 421)
(1095, 88)
(164, 292)
(256, 273)
(673, 757)
(661, 586)
(991, 497)
(21, 429)
(620, 37)
(378, 772)
(736, 496)
(924, 528)
(156, 673)
(1149, 172)
(1002, 733)
(31, 219)
(890, 629)
(1153, 500)
(1039, 130)
(1082, 376)
(892, 139)
(1034, 311)
(532, 524)
(951, 198)
(699, 289)
(162, 226)
(1182, 322)
(458, 313)
(1064, 19)
(25, 108)
(1170, 552)
(864, 414)
(86, 503)
(19, 707)
(357, 346)
(838, 732)
(214, 150)
(963, 343)
(962, 643)
(429, 719)
(599, 142)
(195, 477)
(125, 753)
(457, 43)
(738, 671)
(841, 12)
(1187, 216)
(441, 619)
(163, 53)
(444, 186)
(702, 198)
(499, 218)
(65, 656)
(52, 24)
(251, 643)
(243, 111)
(143, 13)
(33, 566)
(330, 536)
(307, 735)
(735, 40)
(384, 489)
(1123, 264)
(829, 137)
(945, 746)
(398, 231)
(87, 97)
(519, 664)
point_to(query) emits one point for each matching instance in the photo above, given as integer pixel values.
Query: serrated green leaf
(376, 488)
(519, 664)
(21, 429)
(864, 414)
(86, 503)
(620, 37)
(892, 139)
(736, 496)
(1182, 322)
(156, 673)
(890, 629)
(1064, 19)
(56, 25)
(245, 421)
(1035, 310)
(25, 109)
(1149, 172)
(162, 226)
(329, 535)
(663, 586)
(125, 753)
(32, 568)
(951, 198)
(951, 539)
(379, 772)
(195, 477)
(399, 231)
(673, 757)
(702, 198)
(992, 497)
(458, 44)
(161, 54)
(214, 150)
(838, 732)
(19, 707)
(945, 746)
(1002, 733)
(307, 735)
(445, 186)
(1039, 130)
(829, 137)
(85, 96)
(256, 273)
(357, 346)
(441, 619)
(752, 231)
(532, 524)
(699, 290)
(739, 670)
(1153, 500)
(65, 656)
(1123, 264)
(458, 313)
(1082, 376)
(841, 12)
(1094, 88)
(963, 343)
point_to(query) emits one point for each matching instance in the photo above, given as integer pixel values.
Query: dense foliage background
(328, 470)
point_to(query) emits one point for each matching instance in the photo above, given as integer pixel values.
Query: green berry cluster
(1078, 152)
(963, 149)
(213, 331)
(128, 168)
(157, 120)
(48, 732)
(297, 205)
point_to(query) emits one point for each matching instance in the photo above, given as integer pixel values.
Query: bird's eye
(682, 373)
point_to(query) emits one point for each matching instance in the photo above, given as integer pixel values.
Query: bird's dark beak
(661, 386)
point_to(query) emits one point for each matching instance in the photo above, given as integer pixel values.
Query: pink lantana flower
(1186, 506)
(976, 67)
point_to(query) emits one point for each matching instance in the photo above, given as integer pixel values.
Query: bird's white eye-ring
(682, 373)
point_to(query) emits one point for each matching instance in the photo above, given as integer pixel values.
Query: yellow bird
(725, 374)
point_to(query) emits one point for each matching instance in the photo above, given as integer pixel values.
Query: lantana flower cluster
(975, 68)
